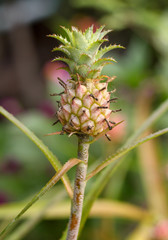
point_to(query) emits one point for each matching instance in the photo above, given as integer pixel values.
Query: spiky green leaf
(60, 38)
(94, 47)
(79, 39)
(96, 35)
(83, 70)
(61, 49)
(74, 53)
(69, 62)
(83, 51)
(69, 33)
(104, 50)
(93, 73)
(101, 62)
(88, 33)
(85, 59)
(104, 33)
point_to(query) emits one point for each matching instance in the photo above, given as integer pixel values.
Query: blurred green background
(27, 77)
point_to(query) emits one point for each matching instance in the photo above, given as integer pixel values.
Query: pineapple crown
(83, 52)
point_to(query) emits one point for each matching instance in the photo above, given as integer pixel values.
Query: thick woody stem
(79, 188)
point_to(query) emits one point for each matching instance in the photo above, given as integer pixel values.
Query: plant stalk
(79, 188)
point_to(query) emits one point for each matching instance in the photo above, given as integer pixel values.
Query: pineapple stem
(79, 188)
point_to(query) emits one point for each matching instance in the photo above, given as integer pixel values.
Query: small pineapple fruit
(84, 104)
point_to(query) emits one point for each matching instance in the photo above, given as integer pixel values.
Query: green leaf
(93, 48)
(84, 59)
(60, 38)
(61, 49)
(83, 70)
(104, 50)
(104, 33)
(93, 73)
(102, 208)
(105, 176)
(70, 62)
(68, 165)
(35, 214)
(103, 179)
(99, 34)
(96, 35)
(116, 156)
(74, 53)
(79, 39)
(88, 33)
(149, 121)
(101, 62)
(50, 156)
(69, 33)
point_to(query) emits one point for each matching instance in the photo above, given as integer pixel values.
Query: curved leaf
(69, 62)
(101, 62)
(50, 156)
(68, 165)
(104, 50)
(60, 38)
(88, 33)
(74, 52)
(115, 157)
(105, 176)
(69, 33)
(61, 49)
(79, 39)
(83, 70)
(100, 33)
(93, 73)
(93, 48)
(85, 59)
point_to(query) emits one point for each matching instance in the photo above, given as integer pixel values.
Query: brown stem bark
(79, 188)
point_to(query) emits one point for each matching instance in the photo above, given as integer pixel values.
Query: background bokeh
(27, 78)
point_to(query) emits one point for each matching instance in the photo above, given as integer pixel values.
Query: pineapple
(84, 105)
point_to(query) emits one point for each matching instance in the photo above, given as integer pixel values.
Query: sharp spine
(56, 94)
(91, 95)
(108, 137)
(102, 89)
(117, 110)
(112, 99)
(113, 91)
(58, 102)
(110, 79)
(103, 107)
(110, 127)
(55, 122)
(112, 122)
(61, 82)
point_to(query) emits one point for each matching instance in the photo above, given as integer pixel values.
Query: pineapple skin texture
(84, 105)
(85, 108)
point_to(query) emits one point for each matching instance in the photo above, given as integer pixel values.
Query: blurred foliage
(142, 73)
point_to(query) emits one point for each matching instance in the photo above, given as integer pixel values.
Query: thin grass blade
(50, 156)
(68, 165)
(116, 156)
